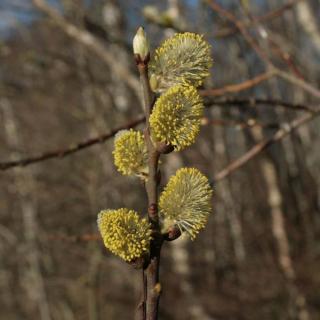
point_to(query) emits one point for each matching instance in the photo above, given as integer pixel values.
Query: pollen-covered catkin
(186, 201)
(124, 233)
(130, 153)
(176, 116)
(183, 58)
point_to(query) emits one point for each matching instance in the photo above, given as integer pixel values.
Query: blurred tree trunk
(31, 276)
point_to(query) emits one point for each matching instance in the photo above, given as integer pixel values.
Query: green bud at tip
(141, 44)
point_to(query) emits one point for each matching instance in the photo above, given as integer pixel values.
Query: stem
(148, 96)
(153, 285)
(144, 295)
(152, 271)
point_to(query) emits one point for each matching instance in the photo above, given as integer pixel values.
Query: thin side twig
(254, 102)
(209, 102)
(242, 29)
(74, 238)
(235, 88)
(264, 35)
(306, 86)
(91, 42)
(258, 148)
(229, 169)
(61, 153)
(272, 14)
(250, 123)
(299, 83)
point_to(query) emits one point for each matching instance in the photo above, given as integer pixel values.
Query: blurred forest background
(67, 78)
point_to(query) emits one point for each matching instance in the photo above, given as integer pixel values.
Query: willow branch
(152, 271)
(250, 123)
(264, 34)
(272, 14)
(254, 102)
(75, 238)
(299, 83)
(264, 144)
(209, 102)
(242, 29)
(234, 88)
(91, 42)
(61, 153)
(262, 54)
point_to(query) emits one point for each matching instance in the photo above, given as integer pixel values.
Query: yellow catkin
(176, 116)
(186, 201)
(130, 153)
(124, 233)
(183, 58)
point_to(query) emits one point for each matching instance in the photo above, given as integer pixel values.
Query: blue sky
(17, 11)
(9, 13)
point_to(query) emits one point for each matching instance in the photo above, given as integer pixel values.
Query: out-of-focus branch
(250, 123)
(24, 186)
(61, 153)
(261, 53)
(91, 42)
(258, 148)
(299, 83)
(278, 12)
(242, 29)
(307, 19)
(266, 37)
(254, 102)
(74, 238)
(233, 88)
(285, 130)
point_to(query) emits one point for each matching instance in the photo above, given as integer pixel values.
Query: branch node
(153, 210)
(172, 234)
(164, 148)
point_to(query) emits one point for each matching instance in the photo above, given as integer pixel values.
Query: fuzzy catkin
(186, 201)
(176, 117)
(124, 233)
(183, 58)
(130, 153)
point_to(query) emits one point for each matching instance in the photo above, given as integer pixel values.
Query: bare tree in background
(68, 83)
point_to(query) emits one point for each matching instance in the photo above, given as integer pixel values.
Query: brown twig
(228, 170)
(285, 57)
(258, 148)
(299, 83)
(75, 238)
(278, 12)
(265, 37)
(144, 288)
(61, 153)
(152, 270)
(142, 308)
(261, 53)
(254, 102)
(250, 123)
(243, 30)
(91, 42)
(234, 88)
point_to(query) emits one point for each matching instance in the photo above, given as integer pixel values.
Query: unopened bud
(141, 44)
(154, 81)
(164, 148)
